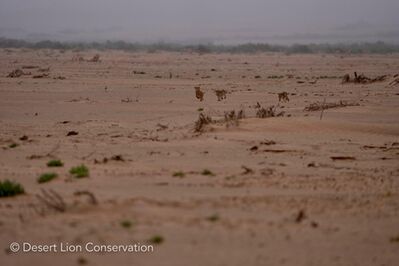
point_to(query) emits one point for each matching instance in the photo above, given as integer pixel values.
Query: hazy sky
(200, 20)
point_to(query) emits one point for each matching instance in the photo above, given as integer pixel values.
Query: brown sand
(295, 206)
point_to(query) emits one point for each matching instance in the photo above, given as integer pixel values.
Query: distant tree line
(337, 48)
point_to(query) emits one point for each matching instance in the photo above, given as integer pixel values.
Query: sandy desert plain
(293, 189)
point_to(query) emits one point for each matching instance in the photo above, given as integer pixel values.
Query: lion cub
(199, 94)
(283, 96)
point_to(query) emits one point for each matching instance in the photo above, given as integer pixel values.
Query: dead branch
(52, 200)
(362, 79)
(317, 106)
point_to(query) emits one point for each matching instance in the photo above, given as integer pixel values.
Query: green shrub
(10, 188)
(46, 177)
(79, 171)
(13, 145)
(55, 163)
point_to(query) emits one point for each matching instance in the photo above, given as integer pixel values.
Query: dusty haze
(220, 21)
(214, 155)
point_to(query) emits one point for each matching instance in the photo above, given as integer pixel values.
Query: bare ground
(290, 190)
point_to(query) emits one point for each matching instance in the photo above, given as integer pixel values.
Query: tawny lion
(221, 94)
(199, 94)
(283, 96)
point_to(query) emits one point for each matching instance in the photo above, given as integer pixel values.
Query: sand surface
(274, 194)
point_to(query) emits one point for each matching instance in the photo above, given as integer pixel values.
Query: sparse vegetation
(213, 218)
(55, 163)
(146, 164)
(157, 239)
(362, 79)
(13, 145)
(10, 188)
(275, 77)
(82, 261)
(395, 81)
(318, 106)
(248, 48)
(46, 177)
(300, 216)
(270, 111)
(40, 76)
(394, 239)
(16, 73)
(79, 171)
(179, 174)
(343, 158)
(138, 72)
(207, 172)
(72, 133)
(126, 224)
(52, 200)
(232, 118)
(24, 138)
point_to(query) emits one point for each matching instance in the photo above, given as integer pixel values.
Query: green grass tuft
(13, 145)
(79, 171)
(55, 163)
(46, 177)
(10, 188)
